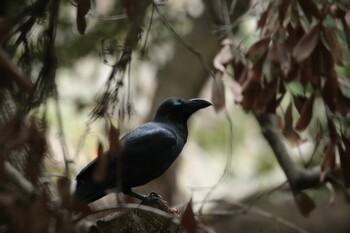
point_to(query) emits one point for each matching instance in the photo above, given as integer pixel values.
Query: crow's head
(179, 110)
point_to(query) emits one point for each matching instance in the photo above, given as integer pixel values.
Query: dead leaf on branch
(304, 202)
(347, 31)
(333, 44)
(344, 156)
(224, 56)
(310, 9)
(251, 89)
(329, 92)
(255, 72)
(288, 131)
(305, 114)
(259, 48)
(263, 17)
(115, 145)
(337, 12)
(328, 161)
(218, 92)
(100, 171)
(188, 220)
(307, 44)
(83, 7)
(342, 103)
(284, 12)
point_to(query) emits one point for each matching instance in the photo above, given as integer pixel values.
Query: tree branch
(299, 178)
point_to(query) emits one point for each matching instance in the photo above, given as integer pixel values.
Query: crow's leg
(135, 195)
(145, 200)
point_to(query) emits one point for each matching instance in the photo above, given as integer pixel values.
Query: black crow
(148, 151)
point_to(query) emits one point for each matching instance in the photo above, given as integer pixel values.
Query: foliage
(297, 54)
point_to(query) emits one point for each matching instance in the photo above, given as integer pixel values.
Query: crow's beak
(196, 104)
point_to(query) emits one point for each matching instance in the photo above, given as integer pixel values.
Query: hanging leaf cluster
(301, 43)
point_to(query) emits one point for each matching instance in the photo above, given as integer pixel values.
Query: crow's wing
(148, 151)
(148, 139)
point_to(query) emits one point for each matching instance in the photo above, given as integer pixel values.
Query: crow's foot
(151, 199)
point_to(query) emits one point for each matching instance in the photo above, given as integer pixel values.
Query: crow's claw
(151, 198)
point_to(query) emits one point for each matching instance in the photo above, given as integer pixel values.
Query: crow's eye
(179, 103)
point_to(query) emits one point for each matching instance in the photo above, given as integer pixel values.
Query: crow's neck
(179, 127)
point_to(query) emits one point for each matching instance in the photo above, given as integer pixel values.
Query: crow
(148, 151)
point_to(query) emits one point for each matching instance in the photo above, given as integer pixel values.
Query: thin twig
(185, 43)
(247, 209)
(148, 30)
(61, 134)
(108, 18)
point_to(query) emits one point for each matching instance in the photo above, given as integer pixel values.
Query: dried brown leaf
(347, 31)
(250, 89)
(115, 145)
(284, 58)
(267, 95)
(299, 102)
(288, 117)
(337, 12)
(312, 66)
(342, 103)
(100, 172)
(284, 11)
(293, 73)
(329, 92)
(255, 73)
(332, 131)
(273, 104)
(304, 202)
(224, 56)
(305, 114)
(310, 9)
(83, 7)
(328, 161)
(188, 220)
(263, 17)
(307, 44)
(327, 65)
(344, 156)
(238, 68)
(288, 131)
(334, 46)
(258, 48)
(218, 92)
